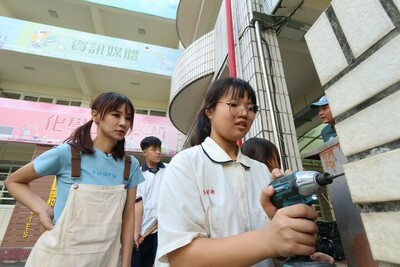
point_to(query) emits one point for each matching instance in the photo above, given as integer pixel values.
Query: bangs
(237, 91)
(112, 102)
(229, 86)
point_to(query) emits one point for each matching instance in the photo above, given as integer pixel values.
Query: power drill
(301, 187)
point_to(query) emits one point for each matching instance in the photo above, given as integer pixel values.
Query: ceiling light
(53, 13)
(142, 31)
(29, 68)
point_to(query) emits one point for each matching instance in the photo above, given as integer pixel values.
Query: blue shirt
(96, 169)
(328, 132)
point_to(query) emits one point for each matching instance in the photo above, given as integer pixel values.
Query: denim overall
(89, 228)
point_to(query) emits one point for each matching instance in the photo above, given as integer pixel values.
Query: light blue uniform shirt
(96, 169)
(328, 132)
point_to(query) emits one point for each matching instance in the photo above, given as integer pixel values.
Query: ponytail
(201, 130)
(81, 138)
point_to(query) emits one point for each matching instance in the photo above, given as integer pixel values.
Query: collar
(153, 170)
(216, 154)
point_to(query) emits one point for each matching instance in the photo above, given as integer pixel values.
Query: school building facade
(291, 52)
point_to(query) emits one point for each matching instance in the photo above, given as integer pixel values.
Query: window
(37, 98)
(75, 103)
(151, 112)
(5, 197)
(10, 95)
(31, 98)
(62, 102)
(45, 100)
(6, 168)
(158, 113)
(142, 111)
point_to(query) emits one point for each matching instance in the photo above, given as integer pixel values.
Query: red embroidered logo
(208, 192)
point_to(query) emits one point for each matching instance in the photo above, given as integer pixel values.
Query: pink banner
(43, 123)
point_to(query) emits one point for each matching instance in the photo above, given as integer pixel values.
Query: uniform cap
(323, 101)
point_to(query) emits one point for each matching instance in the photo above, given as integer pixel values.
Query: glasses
(236, 109)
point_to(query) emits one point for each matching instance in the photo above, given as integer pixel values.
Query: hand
(266, 203)
(46, 218)
(293, 231)
(137, 237)
(322, 257)
(276, 173)
(267, 193)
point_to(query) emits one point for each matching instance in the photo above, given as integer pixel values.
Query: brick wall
(355, 46)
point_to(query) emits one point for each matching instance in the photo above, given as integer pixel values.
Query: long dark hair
(218, 89)
(103, 104)
(261, 149)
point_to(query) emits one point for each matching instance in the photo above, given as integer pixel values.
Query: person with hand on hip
(96, 191)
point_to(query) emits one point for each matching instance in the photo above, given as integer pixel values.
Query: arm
(127, 232)
(18, 186)
(288, 234)
(138, 221)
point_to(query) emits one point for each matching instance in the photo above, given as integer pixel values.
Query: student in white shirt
(153, 169)
(214, 204)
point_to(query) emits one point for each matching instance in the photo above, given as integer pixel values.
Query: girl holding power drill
(214, 203)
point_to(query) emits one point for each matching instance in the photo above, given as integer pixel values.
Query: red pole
(231, 43)
(231, 46)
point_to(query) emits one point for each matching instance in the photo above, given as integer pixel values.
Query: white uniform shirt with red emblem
(204, 193)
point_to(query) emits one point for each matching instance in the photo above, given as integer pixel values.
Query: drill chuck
(326, 178)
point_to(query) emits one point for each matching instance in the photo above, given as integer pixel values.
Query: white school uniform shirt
(204, 193)
(149, 192)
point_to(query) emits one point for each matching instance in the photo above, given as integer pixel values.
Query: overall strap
(75, 163)
(127, 168)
